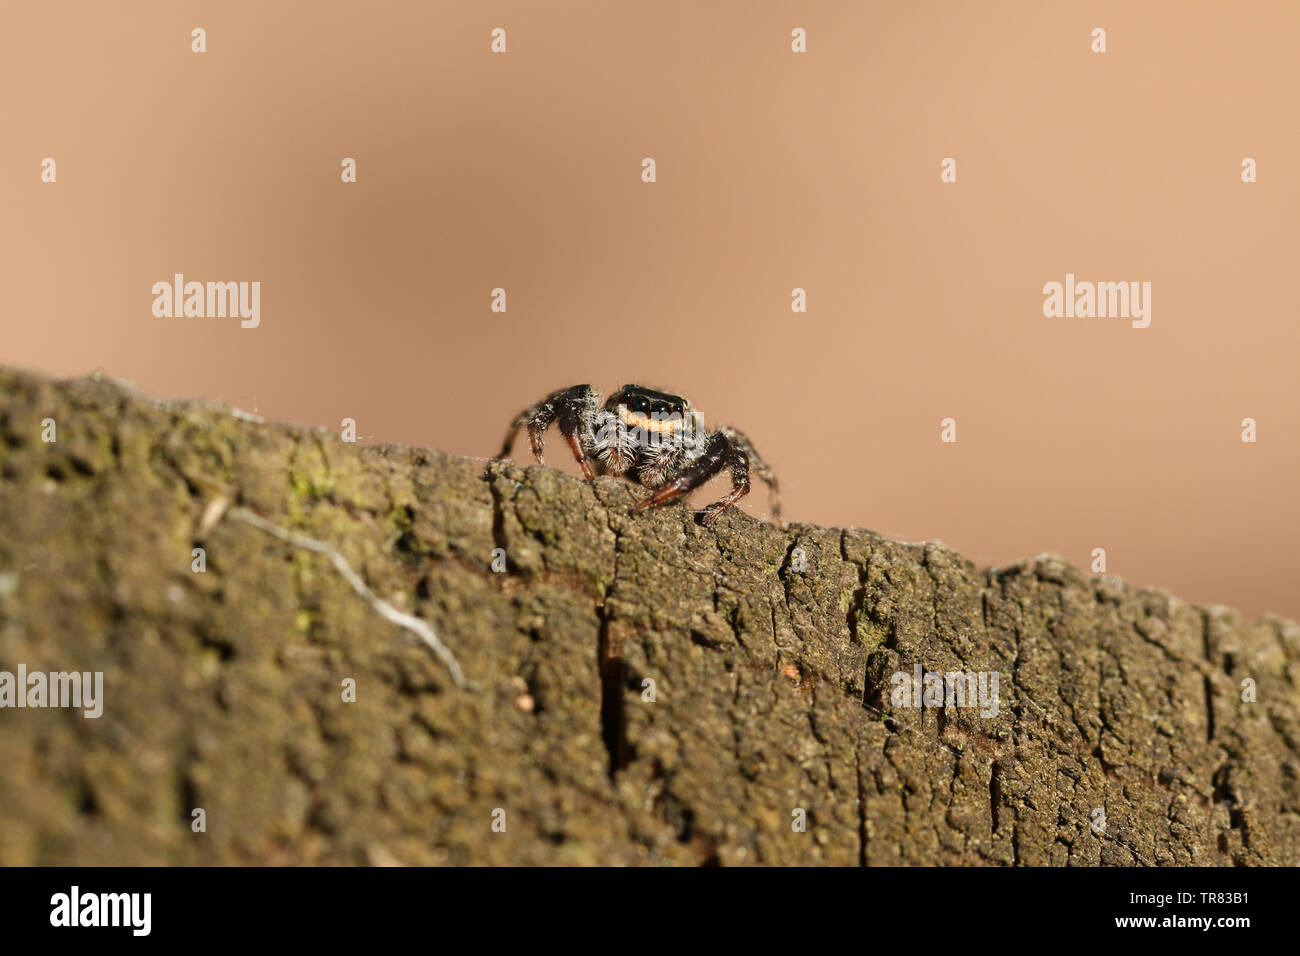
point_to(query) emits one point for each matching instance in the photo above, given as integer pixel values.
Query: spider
(652, 438)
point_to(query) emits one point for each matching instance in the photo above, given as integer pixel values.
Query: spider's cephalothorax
(650, 437)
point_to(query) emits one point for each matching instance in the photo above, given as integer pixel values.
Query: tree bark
(646, 690)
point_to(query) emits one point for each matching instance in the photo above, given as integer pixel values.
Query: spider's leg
(571, 406)
(576, 411)
(738, 459)
(761, 468)
(536, 418)
(717, 454)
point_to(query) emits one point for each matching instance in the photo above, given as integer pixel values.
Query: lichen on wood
(646, 690)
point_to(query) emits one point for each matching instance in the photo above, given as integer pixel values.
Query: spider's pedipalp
(614, 445)
(717, 453)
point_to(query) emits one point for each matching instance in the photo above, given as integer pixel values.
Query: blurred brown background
(775, 170)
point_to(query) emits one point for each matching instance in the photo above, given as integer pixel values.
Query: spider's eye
(659, 408)
(640, 404)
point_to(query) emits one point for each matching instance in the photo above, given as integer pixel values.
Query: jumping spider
(652, 438)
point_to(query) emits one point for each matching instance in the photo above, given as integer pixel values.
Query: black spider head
(647, 402)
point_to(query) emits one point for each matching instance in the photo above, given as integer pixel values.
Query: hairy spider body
(652, 438)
